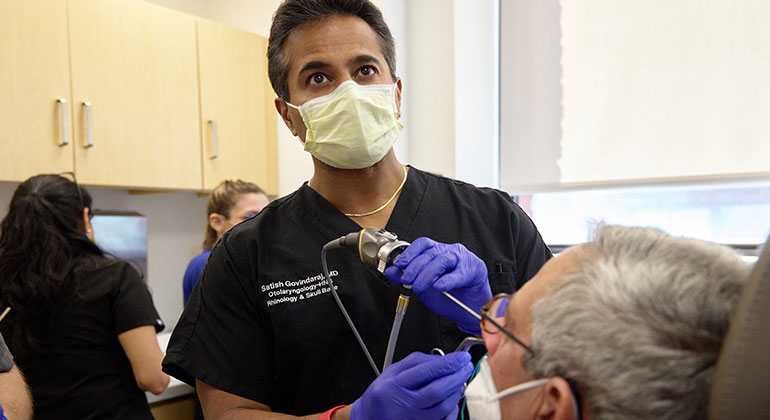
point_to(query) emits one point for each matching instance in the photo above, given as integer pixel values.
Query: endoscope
(378, 249)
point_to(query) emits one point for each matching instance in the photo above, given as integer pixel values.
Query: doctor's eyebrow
(363, 59)
(313, 65)
(359, 59)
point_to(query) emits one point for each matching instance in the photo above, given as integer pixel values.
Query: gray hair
(292, 13)
(639, 325)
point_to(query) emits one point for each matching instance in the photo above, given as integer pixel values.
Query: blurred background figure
(82, 325)
(230, 203)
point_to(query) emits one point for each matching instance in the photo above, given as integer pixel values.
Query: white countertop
(176, 388)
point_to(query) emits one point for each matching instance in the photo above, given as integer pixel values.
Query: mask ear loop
(520, 388)
(540, 382)
(576, 408)
(575, 412)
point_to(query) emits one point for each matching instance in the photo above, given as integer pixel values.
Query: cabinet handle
(63, 122)
(214, 140)
(89, 125)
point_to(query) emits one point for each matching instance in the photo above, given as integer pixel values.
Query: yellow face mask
(352, 127)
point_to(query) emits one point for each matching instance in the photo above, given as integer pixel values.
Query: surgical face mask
(352, 127)
(482, 397)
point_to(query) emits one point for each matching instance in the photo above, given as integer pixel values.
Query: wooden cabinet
(237, 114)
(34, 74)
(143, 89)
(135, 64)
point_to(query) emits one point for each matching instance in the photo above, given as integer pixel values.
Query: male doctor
(261, 337)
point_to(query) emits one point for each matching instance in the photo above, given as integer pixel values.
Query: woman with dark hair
(82, 326)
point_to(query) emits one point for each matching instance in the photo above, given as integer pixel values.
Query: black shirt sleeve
(133, 306)
(220, 338)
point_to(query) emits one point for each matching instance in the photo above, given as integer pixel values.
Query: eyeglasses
(493, 318)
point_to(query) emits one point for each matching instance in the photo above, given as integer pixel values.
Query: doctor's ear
(398, 96)
(557, 403)
(283, 111)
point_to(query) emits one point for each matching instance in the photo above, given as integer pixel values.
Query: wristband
(327, 415)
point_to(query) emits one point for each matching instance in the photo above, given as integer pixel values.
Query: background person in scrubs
(230, 203)
(82, 325)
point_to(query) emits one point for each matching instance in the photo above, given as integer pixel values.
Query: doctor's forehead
(331, 40)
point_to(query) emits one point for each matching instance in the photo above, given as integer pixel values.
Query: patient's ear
(557, 402)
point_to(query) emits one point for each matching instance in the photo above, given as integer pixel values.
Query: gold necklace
(378, 209)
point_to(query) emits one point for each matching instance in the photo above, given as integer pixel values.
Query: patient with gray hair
(628, 326)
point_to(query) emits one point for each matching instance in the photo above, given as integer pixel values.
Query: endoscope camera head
(377, 248)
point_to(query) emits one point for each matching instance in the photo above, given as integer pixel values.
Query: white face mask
(353, 127)
(482, 397)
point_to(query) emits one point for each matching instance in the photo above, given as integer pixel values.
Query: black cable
(337, 244)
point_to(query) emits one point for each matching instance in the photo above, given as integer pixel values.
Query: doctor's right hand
(432, 268)
(419, 387)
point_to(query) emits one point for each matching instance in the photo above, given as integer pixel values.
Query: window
(600, 97)
(734, 215)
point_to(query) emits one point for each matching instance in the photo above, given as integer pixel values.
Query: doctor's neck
(359, 190)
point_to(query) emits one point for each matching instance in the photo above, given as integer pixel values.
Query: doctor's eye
(317, 78)
(367, 71)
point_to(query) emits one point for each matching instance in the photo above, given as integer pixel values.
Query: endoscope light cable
(379, 260)
(337, 244)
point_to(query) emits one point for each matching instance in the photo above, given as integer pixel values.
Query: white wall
(477, 87)
(452, 86)
(530, 94)
(430, 87)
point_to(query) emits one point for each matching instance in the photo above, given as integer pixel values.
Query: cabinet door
(135, 64)
(34, 73)
(237, 113)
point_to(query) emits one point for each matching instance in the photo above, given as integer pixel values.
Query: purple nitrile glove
(431, 267)
(419, 387)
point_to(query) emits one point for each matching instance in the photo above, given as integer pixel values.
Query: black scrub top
(262, 324)
(82, 371)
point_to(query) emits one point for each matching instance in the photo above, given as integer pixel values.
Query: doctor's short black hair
(292, 13)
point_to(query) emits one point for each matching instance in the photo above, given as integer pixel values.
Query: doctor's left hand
(419, 387)
(431, 267)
